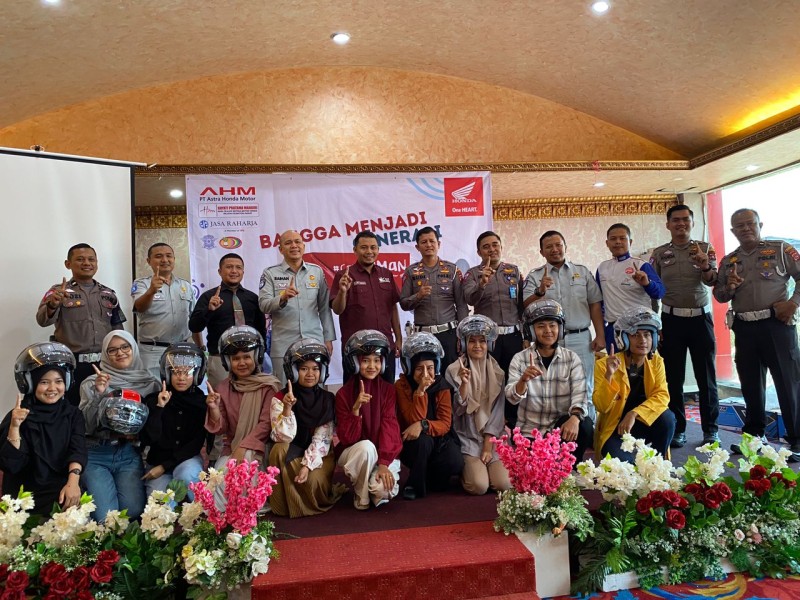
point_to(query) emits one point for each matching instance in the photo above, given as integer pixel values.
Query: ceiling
(690, 75)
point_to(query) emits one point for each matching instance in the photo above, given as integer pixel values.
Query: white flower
(190, 514)
(115, 521)
(258, 549)
(628, 442)
(233, 540)
(739, 535)
(260, 567)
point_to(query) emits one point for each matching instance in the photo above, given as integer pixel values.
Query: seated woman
(479, 405)
(111, 404)
(175, 431)
(630, 389)
(369, 436)
(239, 407)
(43, 446)
(302, 427)
(424, 406)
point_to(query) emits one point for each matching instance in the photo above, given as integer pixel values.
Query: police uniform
(165, 322)
(574, 288)
(687, 324)
(440, 312)
(762, 341)
(307, 315)
(86, 315)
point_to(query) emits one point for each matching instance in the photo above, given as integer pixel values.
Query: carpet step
(468, 560)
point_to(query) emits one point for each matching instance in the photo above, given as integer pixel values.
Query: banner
(247, 213)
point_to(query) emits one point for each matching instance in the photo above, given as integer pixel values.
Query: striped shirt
(560, 389)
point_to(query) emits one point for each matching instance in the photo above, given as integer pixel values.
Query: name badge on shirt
(512, 292)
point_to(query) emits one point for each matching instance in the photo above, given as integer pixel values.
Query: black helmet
(240, 338)
(43, 354)
(631, 321)
(420, 342)
(186, 355)
(301, 351)
(123, 411)
(543, 310)
(477, 325)
(364, 343)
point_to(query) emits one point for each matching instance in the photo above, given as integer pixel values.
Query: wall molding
(161, 217)
(581, 207)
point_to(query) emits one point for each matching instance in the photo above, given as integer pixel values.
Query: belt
(505, 330)
(572, 331)
(437, 328)
(88, 357)
(683, 312)
(159, 344)
(755, 315)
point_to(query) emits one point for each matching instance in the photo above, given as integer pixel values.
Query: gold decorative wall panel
(161, 217)
(566, 208)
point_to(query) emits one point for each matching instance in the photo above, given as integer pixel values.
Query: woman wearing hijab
(111, 402)
(431, 449)
(479, 405)
(302, 429)
(43, 446)
(239, 408)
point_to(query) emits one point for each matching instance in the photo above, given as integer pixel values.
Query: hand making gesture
(19, 414)
(57, 295)
(545, 284)
(361, 399)
(640, 277)
(101, 381)
(487, 272)
(164, 396)
(215, 301)
(289, 401)
(612, 364)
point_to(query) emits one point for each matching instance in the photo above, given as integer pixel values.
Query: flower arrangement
(544, 496)
(678, 524)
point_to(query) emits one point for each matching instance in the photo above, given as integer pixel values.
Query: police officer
(688, 268)
(296, 295)
(755, 279)
(576, 290)
(432, 289)
(163, 304)
(83, 311)
(494, 289)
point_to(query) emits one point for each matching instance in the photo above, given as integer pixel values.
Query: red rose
(712, 499)
(657, 498)
(758, 472)
(724, 491)
(643, 505)
(3, 572)
(80, 578)
(675, 519)
(17, 581)
(100, 573)
(108, 557)
(671, 498)
(13, 595)
(51, 595)
(85, 595)
(61, 587)
(695, 489)
(51, 572)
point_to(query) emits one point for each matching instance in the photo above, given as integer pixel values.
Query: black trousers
(658, 435)
(761, 345)
(82, 371)
(585, 435)
(505, 348)
(695, 334)
(432, 461)
(449, 341)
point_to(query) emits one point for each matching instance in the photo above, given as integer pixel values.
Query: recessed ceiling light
(678, 179)
(600, 7)
(599, 184)
(176, 194)
(340, 38)
(51, 2)
(752, 167)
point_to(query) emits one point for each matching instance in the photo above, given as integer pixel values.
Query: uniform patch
(262, 282)
(770, 251)
(630, 271)
(134, 288)
(792, 252)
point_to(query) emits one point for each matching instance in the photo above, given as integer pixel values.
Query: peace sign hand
(164, 396)
(640, 277)
(215, 301)
(19, 414)
(101, 381)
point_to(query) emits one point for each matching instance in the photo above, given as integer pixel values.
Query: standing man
(222, 307)
(296, 295)
(688, 268)
(755, 279)
(625, 281)
(494, 289)
(366, 298)
(432, 289)
(83, 311)
(576, 290)
(163, 304)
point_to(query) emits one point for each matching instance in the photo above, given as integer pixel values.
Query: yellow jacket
(609, 398)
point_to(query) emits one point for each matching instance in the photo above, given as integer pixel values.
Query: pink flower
(539, 465)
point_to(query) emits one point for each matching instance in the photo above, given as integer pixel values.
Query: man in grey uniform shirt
(296, 295)
(432, 289)
(755, 279)
(575, 289)
(162, 303)
(688, 268)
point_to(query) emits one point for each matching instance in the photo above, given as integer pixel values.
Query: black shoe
(710, 438)
(678, 440)
(736, 449)
(795, 455)
(409, 493)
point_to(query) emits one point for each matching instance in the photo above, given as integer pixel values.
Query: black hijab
(48, 427)
(314, 407)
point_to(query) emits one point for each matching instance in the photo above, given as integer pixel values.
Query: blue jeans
(113, 476)
(188, 471)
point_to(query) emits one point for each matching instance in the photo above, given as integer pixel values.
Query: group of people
(100, 411)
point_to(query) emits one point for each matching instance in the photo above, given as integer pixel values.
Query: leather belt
(755, 315)
(159, 344)
(573, 331)
(88, 357)
(436, 328)
(683, 312)
(505, 330)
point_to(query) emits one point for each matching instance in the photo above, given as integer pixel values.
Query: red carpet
(468, 560)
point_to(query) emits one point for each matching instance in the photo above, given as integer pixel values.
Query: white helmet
(477, 325)
(363, 343)
(543, 310)
(635, 319)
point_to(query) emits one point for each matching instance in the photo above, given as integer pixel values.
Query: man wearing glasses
(755, 278)
(83, 312)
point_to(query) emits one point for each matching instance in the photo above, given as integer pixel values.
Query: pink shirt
(229, 406)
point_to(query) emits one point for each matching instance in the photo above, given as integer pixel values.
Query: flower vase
(550, 561)
(630, 580)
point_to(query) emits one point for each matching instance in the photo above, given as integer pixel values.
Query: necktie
(238, 311)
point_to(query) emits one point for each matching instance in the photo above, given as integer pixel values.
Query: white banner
(247, 213)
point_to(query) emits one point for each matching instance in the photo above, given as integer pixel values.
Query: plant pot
(629, 579)
(550, 560)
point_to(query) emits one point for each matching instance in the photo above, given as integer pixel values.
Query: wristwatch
(425, 425)
(75, 471)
